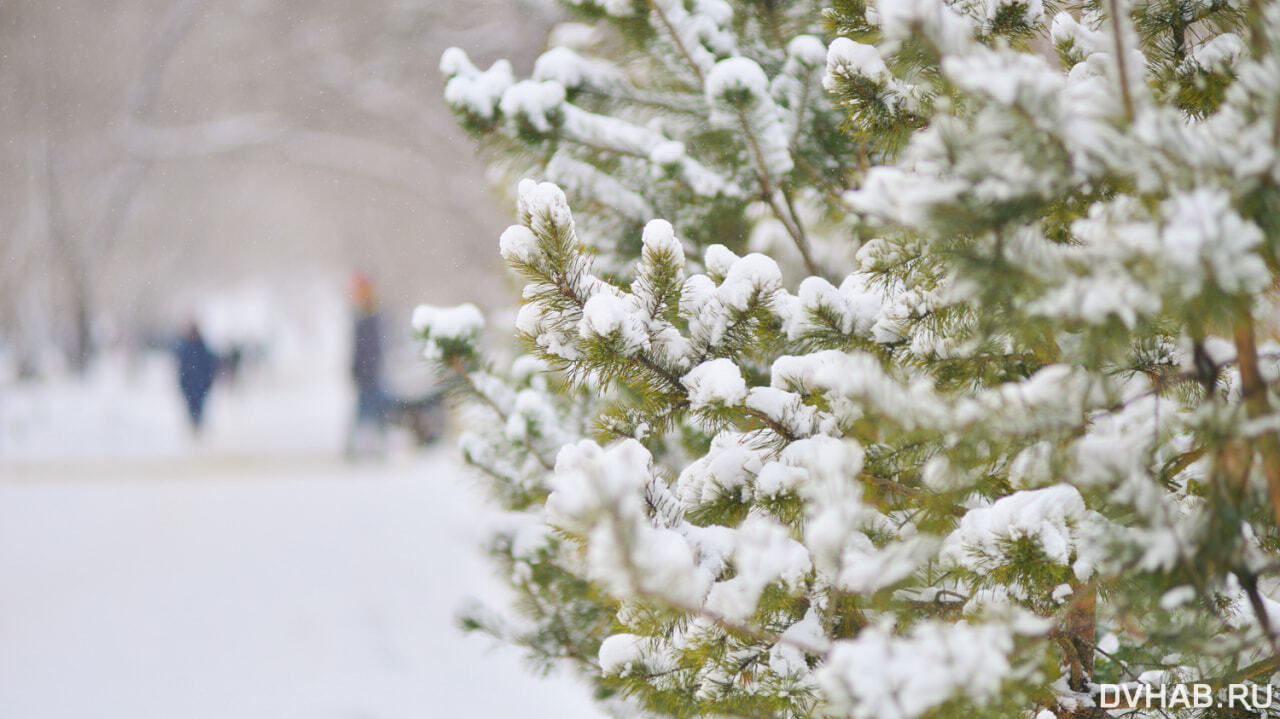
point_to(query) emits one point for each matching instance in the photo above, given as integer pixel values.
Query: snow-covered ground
(252, 590)
(251, 573)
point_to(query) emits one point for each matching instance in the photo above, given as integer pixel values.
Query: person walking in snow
(197, 366)
(366, 370)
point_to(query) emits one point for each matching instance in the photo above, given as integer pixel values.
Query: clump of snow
(454, 61)
(719, 11)
(712, 544)
(606, 313)
(776, 478)
(450, 325)
(536, 102)
(529, 369)
(718, 259)
(1177, 597)
(1052, 516)
(1031, 466)
(609, 132)
(702, 28)
(1203, 231)
(1007, 77)
(715, 382)
(531, 412)
(879, 675)
(764, 553)
(573, 35)
(570, 70)
(807, 50)
(1061, 592)
(748, 280)
(462, 322)
(670, 152)
(858, 308)
(1066, 30)
(590, 480)
(728, 466)
(517, 244)
(1119, 444)
(830, 463)
(738, 91)
(849, 58)
(471, 90)
(530, 538)
(621, 653)
(737, 74)
(751, 276)
(788, 410)
(835, 531)
(1220, 53)
(601, 493)
(940, 22)
(1109, 643)
(661, 560)
(545, 205)
(787, 657)
(659, 237)
(901, 196)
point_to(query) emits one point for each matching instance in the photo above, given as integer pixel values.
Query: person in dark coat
(197, 366)
(367, 370)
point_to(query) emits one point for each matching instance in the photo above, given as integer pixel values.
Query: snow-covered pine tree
(915, 371)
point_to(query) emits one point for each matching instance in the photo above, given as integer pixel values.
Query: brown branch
(1254, 391)
(788, 220)
(890, 485)
(675, 38)
(1254, 671)
(773, 425)
(1249, 582)
(1078, 634)
(804, 102)
(1120, 63)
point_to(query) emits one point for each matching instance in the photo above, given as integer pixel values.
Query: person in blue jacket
(197, 365)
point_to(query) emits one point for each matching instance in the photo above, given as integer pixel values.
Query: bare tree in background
(339, 92)
(82, 248)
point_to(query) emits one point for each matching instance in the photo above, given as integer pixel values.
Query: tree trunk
(1078, 638)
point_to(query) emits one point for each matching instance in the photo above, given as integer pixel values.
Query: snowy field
(249, 574)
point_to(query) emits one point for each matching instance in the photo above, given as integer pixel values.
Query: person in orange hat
(366, 370)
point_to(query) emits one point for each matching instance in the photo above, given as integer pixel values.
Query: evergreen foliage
(901, 360)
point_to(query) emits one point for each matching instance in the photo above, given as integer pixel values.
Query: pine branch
(460, 370)
(559, 625)
(1001, 368)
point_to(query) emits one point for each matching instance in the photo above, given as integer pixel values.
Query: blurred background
(267, 171)
(233, 163)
